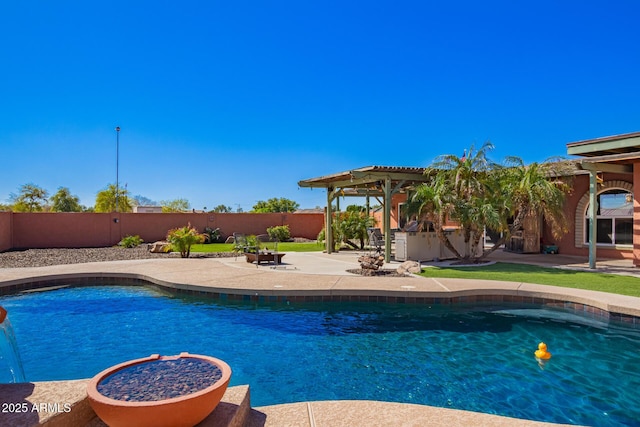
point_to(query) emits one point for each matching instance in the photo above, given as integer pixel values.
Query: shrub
(130, 241)
(337, 236)
(279, 233)
(348, 225)
(182, 238)
(354, 225)
(212, 235)
(253, 245)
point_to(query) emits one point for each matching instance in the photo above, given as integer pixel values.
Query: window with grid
(614, 218)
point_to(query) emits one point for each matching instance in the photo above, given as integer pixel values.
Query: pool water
(456, 358)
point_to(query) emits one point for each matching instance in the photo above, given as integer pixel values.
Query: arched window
(614, 221)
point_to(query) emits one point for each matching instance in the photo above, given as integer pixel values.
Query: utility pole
(117, 164)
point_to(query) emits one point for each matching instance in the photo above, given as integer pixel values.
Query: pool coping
(214, 278)
(64, 404)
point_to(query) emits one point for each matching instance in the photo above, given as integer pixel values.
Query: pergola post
(387, 219)
(328, 235)
(593, 213)
(368, 205)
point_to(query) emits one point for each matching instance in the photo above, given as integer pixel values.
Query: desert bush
(337, 236)
(212, 235)
(253, 245)
(130, 241)
(354, 225)
(182, 238)
(279, 233)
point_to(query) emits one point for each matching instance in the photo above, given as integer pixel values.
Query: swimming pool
(467, 359)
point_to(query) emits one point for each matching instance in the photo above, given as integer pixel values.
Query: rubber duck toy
(542, 353)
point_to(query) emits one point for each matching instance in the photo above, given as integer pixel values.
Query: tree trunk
(475, 242)
(350, 243)
(516, 226)
(438, 221)
(445, 240)
(467, 240)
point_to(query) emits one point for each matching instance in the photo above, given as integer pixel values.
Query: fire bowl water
(172, 391)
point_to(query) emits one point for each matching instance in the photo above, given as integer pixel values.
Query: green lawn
(282, 247)
(612, 283)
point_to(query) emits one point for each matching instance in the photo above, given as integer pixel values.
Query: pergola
(381, 182)
(615, 154)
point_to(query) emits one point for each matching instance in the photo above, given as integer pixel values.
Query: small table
(264, 257)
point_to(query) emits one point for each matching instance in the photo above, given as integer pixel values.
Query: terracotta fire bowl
(172, 391)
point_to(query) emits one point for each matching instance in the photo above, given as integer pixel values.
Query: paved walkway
(323, 274)
(339, 262)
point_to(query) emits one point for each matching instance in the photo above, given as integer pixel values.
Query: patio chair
(376, 239)
(263, 238)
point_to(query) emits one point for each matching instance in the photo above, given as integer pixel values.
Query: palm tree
(433, 203)
(182, 238)
(477, 194)
(354, 224)
(461, 189)
(537, 189)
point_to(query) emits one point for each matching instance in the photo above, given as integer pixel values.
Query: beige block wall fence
(78, 230)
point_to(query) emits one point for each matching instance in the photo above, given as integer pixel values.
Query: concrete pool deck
(302, 275)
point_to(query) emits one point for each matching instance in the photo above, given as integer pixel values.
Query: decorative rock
(159, 380)
(159, 247)
(58, 256)
(370, 263)
(409, 267)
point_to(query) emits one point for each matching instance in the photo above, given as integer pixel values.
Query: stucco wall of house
(567, 242)
(76, 230)
(396, 200)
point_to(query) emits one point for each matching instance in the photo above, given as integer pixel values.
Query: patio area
(338, 262)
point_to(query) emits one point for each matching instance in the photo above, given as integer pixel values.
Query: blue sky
(235, 102)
